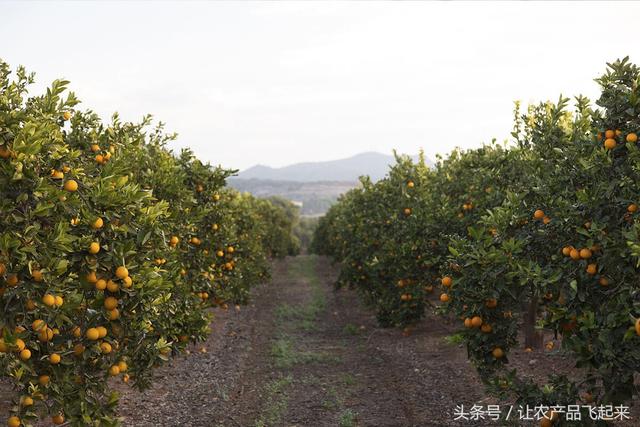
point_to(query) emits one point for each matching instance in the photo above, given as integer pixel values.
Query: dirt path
(304, 355)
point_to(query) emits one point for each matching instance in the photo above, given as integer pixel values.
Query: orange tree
(112, 250)
(540, 235)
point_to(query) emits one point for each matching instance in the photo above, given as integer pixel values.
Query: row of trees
(112, 251)
(539, 234)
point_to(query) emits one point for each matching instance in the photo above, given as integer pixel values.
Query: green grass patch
(348, 418)
(454, 339)
(285, 355)
(276, 402)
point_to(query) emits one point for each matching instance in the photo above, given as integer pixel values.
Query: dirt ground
(302, 354)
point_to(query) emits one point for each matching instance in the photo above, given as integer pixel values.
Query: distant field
(316, 197)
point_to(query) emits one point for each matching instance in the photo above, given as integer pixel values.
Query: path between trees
(302, 354)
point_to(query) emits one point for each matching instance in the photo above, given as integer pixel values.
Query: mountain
(373, 164)
(314, 186)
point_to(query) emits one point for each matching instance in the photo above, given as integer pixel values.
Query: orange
(546, 220)
(444, 297)
(497, 353)
(102, 331)
(71, 186)
(127, 282)
(486, 328)
(114, 370)
(491, 303)
(476, 321)
(637, 326)
(407, 211)
(38, 324)
(122, 366)
(566, 250)
(174, 241)
(37, 275)
(632, 208)
(98, 223)
(592, 269)
(13, 421)
(603, 281)
(447, 281)
(610, 144)
(105, 347)
(66, 115)
(54, 358)
(25, 354)
(410, 184)
(609, 134)
(101, 284)
(91, 277)
(94, 248)
(467, 322)
(57, 419)
(113, 314)
(574, 254)
(122, 272)
(585, 253)
(26, 401)
(112, 286)
(43, 380)
(538, 214)
(93, 334)
(49, 300)
(632, 137)
(110, 303)
(12, 280)
(95, 147)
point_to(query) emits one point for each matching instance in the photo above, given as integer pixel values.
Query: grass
(351, 329)
(276, 402)
(348, 418)
(285, 355)
(304, 316)
(454, 339)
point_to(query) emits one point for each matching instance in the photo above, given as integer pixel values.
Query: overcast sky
(279, 83)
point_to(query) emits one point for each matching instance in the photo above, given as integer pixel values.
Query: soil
(304, 354)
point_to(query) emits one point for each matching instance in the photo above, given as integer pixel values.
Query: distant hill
(315, 185)
(372, 164)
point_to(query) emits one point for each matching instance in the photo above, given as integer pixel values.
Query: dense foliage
(112, 251)
(538, 235)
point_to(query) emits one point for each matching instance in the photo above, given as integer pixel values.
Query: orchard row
(540, 234)
(113, 250)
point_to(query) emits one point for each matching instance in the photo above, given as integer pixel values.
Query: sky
(277, 83)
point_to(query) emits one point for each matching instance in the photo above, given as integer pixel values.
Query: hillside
(372, 164)
(315, 185)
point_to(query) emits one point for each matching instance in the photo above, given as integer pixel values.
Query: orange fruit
(447, 281)
(610, 144)
(122, 272)
(174, 241)
(43, 380)
(538, 214)
(476, 321)
(93, 334)
(546, 220)
(410, 184)
(94, 248)
(101, 284)
(54, 358)
(486, 328)
(13, 421)
(105, 347)
(49, 300)
(36, 275)
(497, 353)
(66, 115)
(603, 281)
(574, 254)
(114, 370)
(25, 354)
(58, 419)
(566, 250)
(632, 208)
(632, 137)
(122, 366)
(102, 331)
(637, 326)
(592, 269)
(110, 303)
(444, 297)
(91, 277)
(467, 322)
(491, 303)
(585, 253)
(98, 223)
(609, 134)
(12, 280)
(71, 186)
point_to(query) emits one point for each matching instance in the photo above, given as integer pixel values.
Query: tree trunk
(532, 337)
